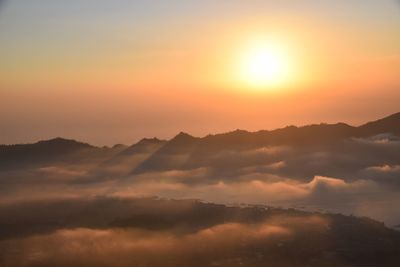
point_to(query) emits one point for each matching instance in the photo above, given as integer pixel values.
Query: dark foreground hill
(154, 232)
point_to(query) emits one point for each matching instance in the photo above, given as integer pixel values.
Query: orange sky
(108, 72)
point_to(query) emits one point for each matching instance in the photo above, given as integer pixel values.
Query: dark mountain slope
(390, 124)
(126, 160)
(143, 146)
(57, 149)
(173, 155)
(187, 152)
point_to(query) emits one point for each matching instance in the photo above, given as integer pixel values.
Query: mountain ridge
(366, 128)
(189, 152)
(185, 151)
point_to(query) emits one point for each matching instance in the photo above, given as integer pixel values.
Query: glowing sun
(264, 65)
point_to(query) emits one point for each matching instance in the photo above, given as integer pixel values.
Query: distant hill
(185, 151)
(390, 124)
(57, 150)
(53, 149)
(130, 157)
(189, 152)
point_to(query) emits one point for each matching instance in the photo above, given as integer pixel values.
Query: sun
(264, 65)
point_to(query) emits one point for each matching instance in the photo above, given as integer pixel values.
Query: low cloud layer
(355, 176)
(121, 232)
(118, 247)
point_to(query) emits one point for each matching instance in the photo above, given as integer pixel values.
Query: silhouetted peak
(146, 142)
(390, 118)
(389, 124)
(394, 116)
(235, 133)
(328, 125)
(153, 140)
(291, 127)
(12, 156)
(61, 142)
(143, 146)
(182, 139)
(118, 146)
(239, 131)
(183, 136)
(342, 124)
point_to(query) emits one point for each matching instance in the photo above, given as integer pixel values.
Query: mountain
(172, 155)
(143, 146)
(390, 124)
(57, 149)
(187, 152)
(53, 151)
(129, 158)
(56, 145)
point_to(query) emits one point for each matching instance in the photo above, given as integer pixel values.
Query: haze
(109, 72)
(181, 133)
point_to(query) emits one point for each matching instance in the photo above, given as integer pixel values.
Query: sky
(109, 72)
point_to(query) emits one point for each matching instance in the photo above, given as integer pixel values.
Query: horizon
(224, 133)
(203, 136)
(116, 72)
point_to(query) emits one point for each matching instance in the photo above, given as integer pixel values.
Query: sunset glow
(265, 66)
(199, 133)
(196, 66)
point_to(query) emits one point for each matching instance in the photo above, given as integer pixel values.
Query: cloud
(252, 186)
(380, 139)
(385, 169)
(119, 232)
(61, 172)
(386, 174)
(139, 247)
(345, 177)
(329, 185)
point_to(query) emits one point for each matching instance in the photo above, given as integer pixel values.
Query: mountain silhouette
(390, 124)
(50, 150)
(179, 146)
(143, 145)
(185, 151)
(130, 157)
